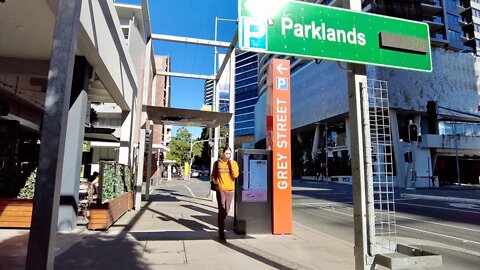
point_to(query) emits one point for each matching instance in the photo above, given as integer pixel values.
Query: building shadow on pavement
(78, 250)
(103, 251)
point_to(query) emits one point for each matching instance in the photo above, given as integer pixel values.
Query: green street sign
(317, 31)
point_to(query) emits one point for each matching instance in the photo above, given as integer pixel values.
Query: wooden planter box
(102, 216)
(15, 213)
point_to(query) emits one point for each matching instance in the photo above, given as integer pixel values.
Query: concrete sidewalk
(178, 232)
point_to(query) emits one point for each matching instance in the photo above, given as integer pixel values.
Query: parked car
(195, 173)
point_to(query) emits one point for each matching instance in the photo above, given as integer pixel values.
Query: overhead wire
(19, 91)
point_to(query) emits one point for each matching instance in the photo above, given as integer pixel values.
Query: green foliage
(180, 147)
(109, 179)
(28, 191)
(117, 179)
(128, 178)
(120, 186)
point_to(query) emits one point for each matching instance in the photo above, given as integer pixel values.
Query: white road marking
(439, 234)
(446, 236)
(397, 215)
(441, 224)
(439, 207)
(466, 206)
(193, 195)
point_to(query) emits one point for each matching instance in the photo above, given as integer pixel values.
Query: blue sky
(195, 19)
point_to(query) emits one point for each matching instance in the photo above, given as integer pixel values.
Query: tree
(180, 147)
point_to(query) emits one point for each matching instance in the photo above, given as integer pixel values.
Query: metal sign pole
(357, 75)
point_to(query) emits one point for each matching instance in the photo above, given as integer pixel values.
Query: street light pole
(326, 151)
(216, 95)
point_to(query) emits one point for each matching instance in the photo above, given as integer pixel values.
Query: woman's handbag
(213, 186)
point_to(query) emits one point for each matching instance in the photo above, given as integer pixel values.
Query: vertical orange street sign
(278, 140)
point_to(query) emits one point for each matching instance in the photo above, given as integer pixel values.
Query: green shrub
(28, 191)
(128, 178)
(109, 178)
(117, 179)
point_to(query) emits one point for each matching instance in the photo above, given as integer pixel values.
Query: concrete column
(67, 213)
(43, 231)
(397, 150)
(141, 148)
(347, 131)
(169, 172)
(316, 141)
(149, 163)
(126, 137)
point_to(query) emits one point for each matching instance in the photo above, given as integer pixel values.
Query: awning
(185, 117)
(99, 134)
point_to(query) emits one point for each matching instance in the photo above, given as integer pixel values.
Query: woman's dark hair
(226, 148)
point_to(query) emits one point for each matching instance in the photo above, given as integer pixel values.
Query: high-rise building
(246, 95)
(452, 23)
(208, 98)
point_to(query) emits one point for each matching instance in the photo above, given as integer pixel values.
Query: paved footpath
(178, 232)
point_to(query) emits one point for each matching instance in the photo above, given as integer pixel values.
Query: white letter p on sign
(254, 33)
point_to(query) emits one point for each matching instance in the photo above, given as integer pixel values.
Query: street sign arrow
(280, 68)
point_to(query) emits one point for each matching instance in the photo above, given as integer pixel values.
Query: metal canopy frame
(198, 41)
(185, 117)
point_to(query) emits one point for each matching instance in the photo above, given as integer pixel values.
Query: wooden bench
(15, 213)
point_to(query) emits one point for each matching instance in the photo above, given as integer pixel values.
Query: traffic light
(412, 133)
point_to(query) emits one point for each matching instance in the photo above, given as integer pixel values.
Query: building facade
(319, 107)
(246, 95)
(106, 90)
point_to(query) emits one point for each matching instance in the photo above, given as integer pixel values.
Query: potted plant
(114, 198)
(16, 211)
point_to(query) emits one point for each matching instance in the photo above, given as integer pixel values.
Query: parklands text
(322, 32)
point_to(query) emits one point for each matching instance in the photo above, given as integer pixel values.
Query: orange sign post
(278, 140)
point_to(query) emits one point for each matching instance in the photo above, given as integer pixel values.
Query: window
(453, 35)
(459, 128)
(246, 103)
(476, 26)
(476, 12)
(244, 110)
(452, 19)
(452, 3)
(244, 117)
(246, 124)
(246, 89)
(247, 82)
(239, 77)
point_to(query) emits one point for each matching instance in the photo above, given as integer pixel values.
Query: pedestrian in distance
(223, 176)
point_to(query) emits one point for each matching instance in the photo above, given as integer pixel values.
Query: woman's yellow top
(224, 179)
